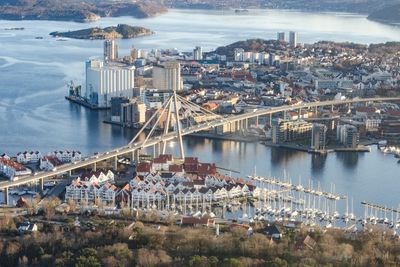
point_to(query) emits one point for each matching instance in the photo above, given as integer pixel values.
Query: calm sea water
(34, 73)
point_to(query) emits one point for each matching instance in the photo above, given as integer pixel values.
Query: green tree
(88, 258)
(232, 262)
(213, 261)
(278, 262)
(198, 261)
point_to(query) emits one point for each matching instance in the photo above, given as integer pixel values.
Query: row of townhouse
(35, 156)
(29, 157)
(92, 186)
(165, 164)
(67, 156)
(79, 191)
(12, 169)
(142, 189)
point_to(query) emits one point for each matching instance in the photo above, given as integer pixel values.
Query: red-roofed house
(144, 168)
(49, 163)
(12, 169)
(176, 168)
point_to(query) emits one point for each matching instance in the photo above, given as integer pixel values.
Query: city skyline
(248, 144)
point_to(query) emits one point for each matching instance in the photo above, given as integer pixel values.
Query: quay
(360, 148)
(84, 103)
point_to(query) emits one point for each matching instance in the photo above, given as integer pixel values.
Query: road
(173, 135)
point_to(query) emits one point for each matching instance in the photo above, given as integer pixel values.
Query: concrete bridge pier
(95, 167)
(6, 196)
(159, 148)
(115, 163)
(257, 121)
(137, 154)
(270, 119)
(41, 181)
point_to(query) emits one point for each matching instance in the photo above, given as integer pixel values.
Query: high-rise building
(110, 50)
(167, 76)
(116, 103)
(106, 81)
(238, 54)
(133, 112)
(134, 53)
(288, 131)
(198, 53)
(318, 136)
(293, 36)
(348, 135)
(280, 36)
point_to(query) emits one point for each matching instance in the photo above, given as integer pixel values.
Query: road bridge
(134, 147)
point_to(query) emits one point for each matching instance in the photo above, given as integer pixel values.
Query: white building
(167, 76)
(67, 156)
(198, 53)
(28, 157)
(110, 50)
(12, 169)
(49, 163)
(104, 81)
(293, 36)
(238, 54)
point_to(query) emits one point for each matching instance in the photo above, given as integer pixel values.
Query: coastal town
(269, 92)
(252, 75)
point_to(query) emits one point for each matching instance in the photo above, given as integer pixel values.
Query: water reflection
(348, 159)
(318, 164)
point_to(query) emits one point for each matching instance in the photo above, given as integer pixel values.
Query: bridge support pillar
(115, 163)
(257, 121)
(6, 196)
(95, 167)
(41, 181)
(154, 151)
(332, 108)
(299, 114)
(70, 173)
(246, 123)
(270, 120)
(316, 112)
(137, 154)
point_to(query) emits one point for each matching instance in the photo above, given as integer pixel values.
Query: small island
(123, 31)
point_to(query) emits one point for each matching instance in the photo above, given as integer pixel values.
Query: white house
(12, 169)
(49, 163)
(67, 156)
(28, 157)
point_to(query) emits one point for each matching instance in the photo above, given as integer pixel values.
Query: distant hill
(120, 31)
(75, 10)
(389, 14)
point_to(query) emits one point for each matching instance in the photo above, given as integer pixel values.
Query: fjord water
(35, 115)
